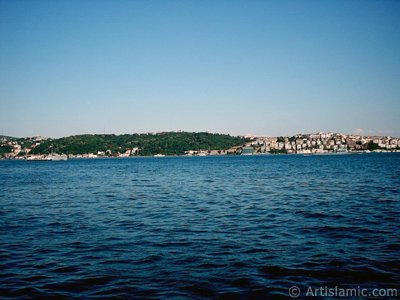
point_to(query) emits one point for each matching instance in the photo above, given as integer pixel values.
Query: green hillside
(168, 143)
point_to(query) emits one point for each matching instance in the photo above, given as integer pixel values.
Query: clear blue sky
(239, 67)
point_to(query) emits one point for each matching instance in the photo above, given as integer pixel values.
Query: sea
(227, 227)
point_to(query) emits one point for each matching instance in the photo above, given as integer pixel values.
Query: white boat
(54, 156)
(37, 158)
(51, 157)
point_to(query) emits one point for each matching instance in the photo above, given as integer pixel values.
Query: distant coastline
(191, 144)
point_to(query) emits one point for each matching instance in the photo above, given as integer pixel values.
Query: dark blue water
(202, 227)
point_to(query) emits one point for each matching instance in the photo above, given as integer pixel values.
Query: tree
(373, 146)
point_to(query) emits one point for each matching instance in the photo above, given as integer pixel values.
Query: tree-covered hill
(168, 143)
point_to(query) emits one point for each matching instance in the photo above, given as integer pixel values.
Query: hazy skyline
(239, 67)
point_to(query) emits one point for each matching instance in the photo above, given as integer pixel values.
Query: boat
(51, 157)
(57, 157)
(37, 158)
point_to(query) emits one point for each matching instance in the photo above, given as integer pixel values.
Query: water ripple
(198, 228)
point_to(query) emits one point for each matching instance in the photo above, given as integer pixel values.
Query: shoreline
(211, 155)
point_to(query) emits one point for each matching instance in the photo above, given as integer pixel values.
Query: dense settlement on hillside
(318, 143)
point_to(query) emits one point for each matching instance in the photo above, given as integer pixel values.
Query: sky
(239, 67)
